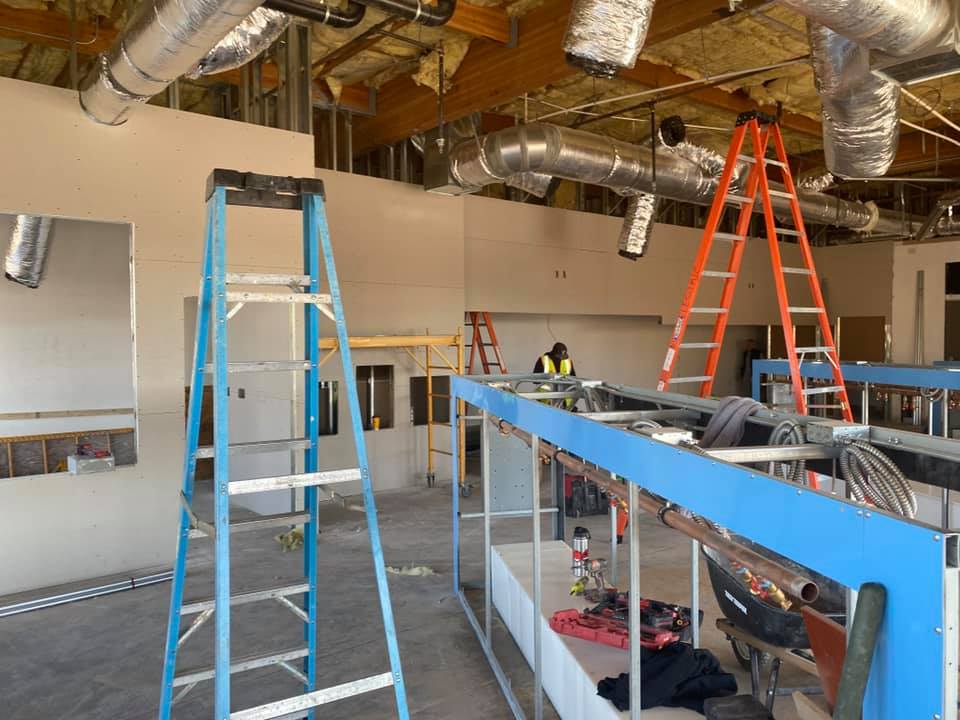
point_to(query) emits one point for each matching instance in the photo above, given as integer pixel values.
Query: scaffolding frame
(432, 347)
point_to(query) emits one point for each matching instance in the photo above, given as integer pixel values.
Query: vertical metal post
(348, 122)
(173, 95)
(256, 91)
(865, 401)
(404, 161)
(428, 362)
(391, 163)
(485, 482)
(945, 431)
(695, 591)
(245, 93)
(613, 567)
(537, 600)
(333, 137)
(557, 473)
(74, 73)
(456, 459)
(633, 498)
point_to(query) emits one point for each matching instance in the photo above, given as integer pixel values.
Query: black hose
(416, 10)
(867, 620)
(347, 17)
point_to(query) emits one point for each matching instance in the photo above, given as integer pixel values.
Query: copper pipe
(795, 584)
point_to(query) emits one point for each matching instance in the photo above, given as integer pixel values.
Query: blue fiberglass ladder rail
(228, 187)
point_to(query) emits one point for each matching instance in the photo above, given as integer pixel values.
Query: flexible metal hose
(872, 476)
(789, 432)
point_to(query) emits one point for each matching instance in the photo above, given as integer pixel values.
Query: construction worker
(555, 362)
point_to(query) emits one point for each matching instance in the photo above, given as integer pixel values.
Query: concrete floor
(101, 658)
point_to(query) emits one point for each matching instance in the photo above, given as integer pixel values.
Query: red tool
(607, 630)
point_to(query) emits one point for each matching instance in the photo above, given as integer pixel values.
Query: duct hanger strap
(255, 190)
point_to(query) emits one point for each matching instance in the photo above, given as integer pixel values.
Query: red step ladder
(478, 345)
(761, 129)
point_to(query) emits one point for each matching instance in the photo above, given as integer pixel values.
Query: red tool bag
(608, 631)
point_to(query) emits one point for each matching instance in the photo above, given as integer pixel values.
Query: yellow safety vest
(550, 368)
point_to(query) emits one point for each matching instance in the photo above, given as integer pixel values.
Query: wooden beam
(491, 23)
(357, 45)
(492, 74)
(47, 27)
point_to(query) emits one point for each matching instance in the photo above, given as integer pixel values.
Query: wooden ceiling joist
(491, 23)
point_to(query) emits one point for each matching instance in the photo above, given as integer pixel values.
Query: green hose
(867, 621)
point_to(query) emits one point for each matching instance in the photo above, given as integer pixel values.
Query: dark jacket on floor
(677, 676)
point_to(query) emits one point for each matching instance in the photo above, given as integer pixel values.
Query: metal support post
(487, 570)
(173, 95)
(333, 137)
(865, 401)
(557, 473)
(614, 570)
(695, 592)
(348, 123)
(945, 429)
(404, 161)
(633, 495)
(537, 590)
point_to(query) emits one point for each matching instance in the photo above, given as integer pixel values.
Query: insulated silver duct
(626, 169)
(256, 32)
(861, 111)
(27, 251)
(604, 36)
(162, 40)
(534, 183)
(897, 27)
(638, 223)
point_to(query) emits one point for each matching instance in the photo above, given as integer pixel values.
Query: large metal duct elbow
(27, 249)
(861, 111)
(162, 41)
(897, 27)
(604, 36)
(416, 10)
(257, 32)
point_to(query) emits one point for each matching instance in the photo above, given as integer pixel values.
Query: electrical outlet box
(835, 432)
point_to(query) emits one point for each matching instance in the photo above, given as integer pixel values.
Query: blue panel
(832, 536)
(455, 485)
(940, 376)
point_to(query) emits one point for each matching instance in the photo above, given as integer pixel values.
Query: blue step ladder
(218, 291)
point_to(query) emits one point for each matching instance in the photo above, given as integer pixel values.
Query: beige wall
(857, 279)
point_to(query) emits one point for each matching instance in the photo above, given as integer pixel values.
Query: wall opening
(375, 391)
(418, 399)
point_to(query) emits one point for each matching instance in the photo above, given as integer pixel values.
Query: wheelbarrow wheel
(741, 651)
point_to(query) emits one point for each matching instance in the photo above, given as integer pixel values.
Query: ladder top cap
(761, 117)
(271, 190)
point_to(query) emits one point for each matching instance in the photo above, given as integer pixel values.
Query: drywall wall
(909, 258)
(857, 280)
(70, 340)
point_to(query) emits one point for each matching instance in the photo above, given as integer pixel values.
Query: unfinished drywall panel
(930, 257)
(532, 259)
(150, 173)
(70, 346)
(857, 280)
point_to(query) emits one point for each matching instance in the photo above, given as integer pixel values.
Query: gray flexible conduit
(872, 476)
(789, 432)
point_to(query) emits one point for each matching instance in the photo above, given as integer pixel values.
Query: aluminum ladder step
(718, 274)
(737, 199)
(789, 231)
(709, 310)
(766, 160)
(288, 482)
(206, 451)
(823, 390)
(699, 346)
(244, 296)
(694, 379)
(258, 523)
(728, 237)
(249, 278)
(796, 271)
(781, 194)
(820, 349)
(250, 662)
(254, 366)
(807, 310)
(244, 598)
(295, 706)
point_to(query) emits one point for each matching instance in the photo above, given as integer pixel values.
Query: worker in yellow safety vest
(555, 362)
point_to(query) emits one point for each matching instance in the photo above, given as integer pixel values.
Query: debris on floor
(292, 540)
(412, 570)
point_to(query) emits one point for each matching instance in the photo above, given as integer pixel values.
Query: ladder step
(267, 297)
(287, 482)
(699, 346)
(729, 237)
(248, 278)
(260, 523)
(821, 349)
(766, 160)
(737, 199)
(709, 310)
(262, 366)
(245, 598)
(206, 451)
(301, 703)
(789, 231)
(797, 271)
(823, 390)
(695, 379)
(251, 662)
(782, 194)
(807, 310)
(718, 273)
(824, 407)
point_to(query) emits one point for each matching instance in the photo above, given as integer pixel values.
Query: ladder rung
(738, 199)
(776, 163)
(248, 278)
(789, 231)
(267, 297)
(699, 346)
(206, 451)
(709, 310)
(797, 271)
(807, 310)
(301, 703)
(782, 194)
(262, 366)
(695, 379)
(287, 482)
(824, 407)
(259, 523)
(821, 349)
(251, 662)
(729, 237)
(244, 598)
(823, 390)
(718, 273)
(766, 160)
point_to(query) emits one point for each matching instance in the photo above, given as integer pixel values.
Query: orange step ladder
(478, 345)
(762, 129)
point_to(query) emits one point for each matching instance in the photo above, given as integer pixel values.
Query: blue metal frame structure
(914, 673)
(226, 188)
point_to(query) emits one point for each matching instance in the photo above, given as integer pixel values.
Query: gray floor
(101, 658)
